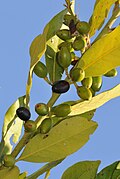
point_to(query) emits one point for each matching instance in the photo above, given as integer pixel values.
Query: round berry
(30, 126)
(41, 109)
(23, 113)
(60, 86)
(9, 161)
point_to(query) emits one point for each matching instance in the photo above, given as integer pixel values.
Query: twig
(45, 168)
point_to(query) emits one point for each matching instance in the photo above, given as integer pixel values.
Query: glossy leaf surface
(9, 173)
(100, 12)
(96, 101)
(82, 170)
(112, 171)
(12, 124)
(103, 55)
(63, 140)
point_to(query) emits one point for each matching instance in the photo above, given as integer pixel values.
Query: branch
(44, 169)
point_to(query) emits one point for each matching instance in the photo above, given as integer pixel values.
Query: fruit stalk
(45, 168)
(24, 140)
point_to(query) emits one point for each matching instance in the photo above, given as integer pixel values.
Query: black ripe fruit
(60, 86)
(23, 113)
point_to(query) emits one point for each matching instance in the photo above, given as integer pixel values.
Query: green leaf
(110, 171)
(38, 46)
(12, 125)
(99, 14)
(9, 173)
(96, 101)
(63, 140)
(82, 170)
(103, 55)
(55, 24)
(54, 69)
(22, 175)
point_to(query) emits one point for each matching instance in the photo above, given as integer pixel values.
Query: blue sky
(21, 21)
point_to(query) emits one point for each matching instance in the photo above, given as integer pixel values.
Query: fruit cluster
(73, 38)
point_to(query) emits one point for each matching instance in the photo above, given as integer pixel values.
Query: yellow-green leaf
(82, 170)
(22, 175)
(96, 101)
(103, 55)
(38, 46)
(12, 124)
(9, 173)
(63, 140)
(110, 171)
(99, 14)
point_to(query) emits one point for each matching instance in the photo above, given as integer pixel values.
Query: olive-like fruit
(92, 91)
(79, 43)
(97, 83)
(72, 55)
(77, 74)
(84, 93)
(40, 70)
(45, 126)
(64, 57)
(23, 113)
(65, 44)
(41, 109)
(111, 73)
(64, 34)
(60, 86)
(30, 126)
(87, 82)
(62, 110)
(68, 18)
(9, 160)
(83, 27)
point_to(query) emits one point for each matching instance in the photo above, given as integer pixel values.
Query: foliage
(66, 133)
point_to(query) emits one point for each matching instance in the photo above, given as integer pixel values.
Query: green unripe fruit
(97, 83)
(30, 126)
(9, 161)
(45, 126)
(79, 44)
(68, 18)
(92, 91)
(111, 73)
(64, 34)
(40, 70)
(64, 57)
(62, 110)
(87, 82)
(65, 44)
(84, 93)
(77, 74)
(41, 109)
(83, 27)
(72, 55)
